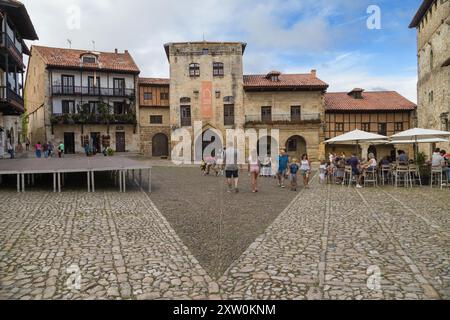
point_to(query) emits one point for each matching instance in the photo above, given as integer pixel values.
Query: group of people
(441, 159)
(48, 150)
(335, 167)
(226, 163)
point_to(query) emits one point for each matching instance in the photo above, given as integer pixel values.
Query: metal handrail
(91, 91)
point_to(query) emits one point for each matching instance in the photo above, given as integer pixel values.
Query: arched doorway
(296, 147)
(160, 145)
(265, 146)
(208, 144)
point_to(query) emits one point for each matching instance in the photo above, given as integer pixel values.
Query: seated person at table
(402, 157)
(355, 164)
(371, 165)
(447, 160)
(385, 161)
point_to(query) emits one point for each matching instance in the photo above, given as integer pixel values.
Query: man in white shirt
(437, 160)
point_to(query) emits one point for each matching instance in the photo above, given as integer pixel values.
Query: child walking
(293, 171)
(305, 169)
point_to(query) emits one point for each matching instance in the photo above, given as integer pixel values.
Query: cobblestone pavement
(122, 245)
(330, 243)
(334, 243)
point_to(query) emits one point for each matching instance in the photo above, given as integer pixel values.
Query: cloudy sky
(285, 35)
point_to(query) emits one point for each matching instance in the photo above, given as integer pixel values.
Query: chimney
(356, 93)
(116, 51)
(314, 72)
(126, 51)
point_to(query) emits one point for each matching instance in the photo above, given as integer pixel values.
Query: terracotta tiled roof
(155, 81)
(286, 81)
(371, 101)
(71, 58)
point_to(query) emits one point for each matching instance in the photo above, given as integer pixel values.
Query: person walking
(38, 150)
(10, 149)
(232, 168)
(254, 168)
(61, 148)
(27, 144)
(45, 149)
(293, 171)
(50, 149)
(283, 162)
(305, 169)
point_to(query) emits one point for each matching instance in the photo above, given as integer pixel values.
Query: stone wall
(146, 138)
(434, 36)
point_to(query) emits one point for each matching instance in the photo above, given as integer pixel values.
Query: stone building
(154, 117)
(16, 26)
(432, 22)
(82, 97)
(381, 112)
(207, 84)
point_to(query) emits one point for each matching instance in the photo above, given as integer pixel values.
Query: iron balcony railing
(8, 95)
(283, 118)
(228, 120)
(93, 118)
(186, 122)
(92, 91)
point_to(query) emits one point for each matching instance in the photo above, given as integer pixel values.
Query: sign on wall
(207, 112)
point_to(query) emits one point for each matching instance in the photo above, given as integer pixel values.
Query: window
(398, 127)
(205, 52)
(68, 84)
(148, 96)
(431, 97)
(218, 69)
(119, 86)
(68, 106)
(156, 119)
(185, 112)
(93, 107)
(431, 59)
(228, 114)
(339, 127)
(266, 114)
(366, 127)
(164, 96)
(89, 59)
(292, 145)
(194, 70)
(382, 129)
(93, 87)
(296, 113)
(119, 108)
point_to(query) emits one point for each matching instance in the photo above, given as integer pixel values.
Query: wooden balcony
(7, 43)
(10, 101)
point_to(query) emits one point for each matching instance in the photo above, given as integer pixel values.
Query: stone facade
(433, 33)
(209, 95)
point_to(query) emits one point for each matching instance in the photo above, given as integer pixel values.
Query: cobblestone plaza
(330, 242)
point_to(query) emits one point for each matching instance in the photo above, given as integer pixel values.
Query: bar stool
(402, 175)
(437, 174)
(348, 176)
(371, 176)
(386, 174)
(414, 175)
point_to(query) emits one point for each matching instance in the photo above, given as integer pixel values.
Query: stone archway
(160, 145)
(296, 146)
(209, 143)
